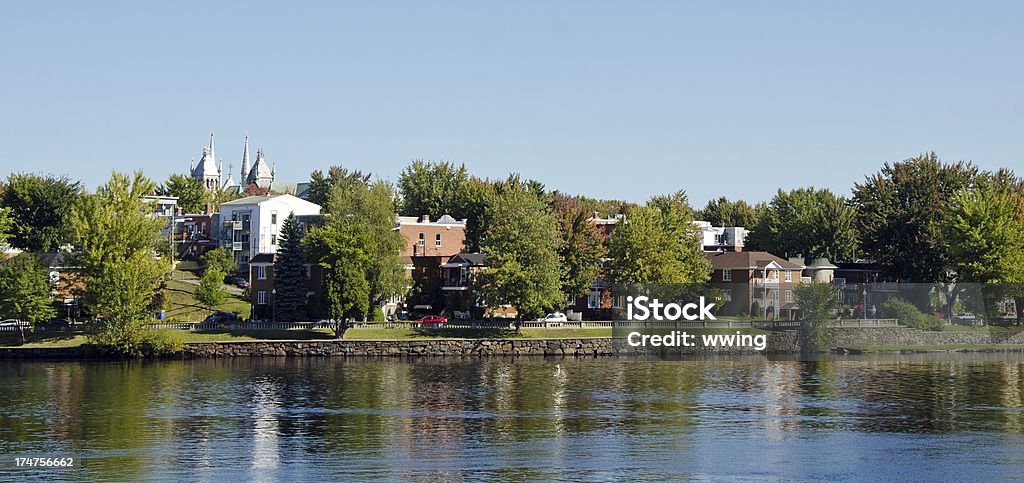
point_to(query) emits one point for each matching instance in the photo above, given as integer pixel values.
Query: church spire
(245, 158)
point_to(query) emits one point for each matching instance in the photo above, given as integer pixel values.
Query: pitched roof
(475, 259)
(262, 258)
(747, 260)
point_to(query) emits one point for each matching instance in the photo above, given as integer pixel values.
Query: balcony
(766, 282)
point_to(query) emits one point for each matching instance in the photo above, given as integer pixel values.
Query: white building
(251, 225)
(721, 239)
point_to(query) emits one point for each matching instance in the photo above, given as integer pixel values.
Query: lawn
(183, 307)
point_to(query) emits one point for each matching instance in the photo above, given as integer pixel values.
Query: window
(727, 295)
(437, 240)
(594, 300)
(273, 217)
(273, 239)
(423, 238)
(261, 297)
(261, 273)
(789, 295)
(727, 275)
(789, 276)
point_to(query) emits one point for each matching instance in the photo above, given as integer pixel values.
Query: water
(907, 417)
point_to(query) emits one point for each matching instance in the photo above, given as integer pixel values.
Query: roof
(474, 259)
(262, 258)
(747, 260)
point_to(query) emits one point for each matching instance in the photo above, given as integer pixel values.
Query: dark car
(222, 318)
(432, 321)
(241, 282)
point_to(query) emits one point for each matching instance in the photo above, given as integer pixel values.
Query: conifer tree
(290, 273)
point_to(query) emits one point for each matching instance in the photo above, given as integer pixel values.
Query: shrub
(162, 342)
(377, 315)
(910, 315)
(755, 310)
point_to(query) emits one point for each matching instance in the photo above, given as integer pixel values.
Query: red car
(432, 321)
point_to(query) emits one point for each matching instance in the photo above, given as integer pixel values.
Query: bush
(377, 315)
(755, 310)
(162, 342)
(910, 315)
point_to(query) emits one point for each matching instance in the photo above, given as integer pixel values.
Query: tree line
(920, 220)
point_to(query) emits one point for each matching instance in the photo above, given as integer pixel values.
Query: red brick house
(756, 277)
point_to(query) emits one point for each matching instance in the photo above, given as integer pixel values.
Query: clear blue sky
(609, 99)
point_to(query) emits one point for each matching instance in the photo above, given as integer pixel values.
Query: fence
(490, 324)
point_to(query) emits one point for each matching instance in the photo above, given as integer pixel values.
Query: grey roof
(475, 259)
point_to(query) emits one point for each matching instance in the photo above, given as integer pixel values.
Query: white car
(14, 323)
(555, 317)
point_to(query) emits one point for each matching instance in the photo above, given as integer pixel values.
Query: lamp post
(865, 302)
(273, 305)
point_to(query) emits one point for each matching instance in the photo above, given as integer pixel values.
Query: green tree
(321, 186)
(220, 260)
(115, 240)
(723, 212)
(360, 229)
(521, 246)
(210, 291)
(5, 225)
(435, 188)
(658, 244)
(341, 249)
(39, 209)
(581, 247)
(290, 272)
(192, 195)
(817, 302)
(808, 222)
(984, 230)
(25, 290)
(900, 213)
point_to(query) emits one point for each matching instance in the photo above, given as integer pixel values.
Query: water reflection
(525, 418)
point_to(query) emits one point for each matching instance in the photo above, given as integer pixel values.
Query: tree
(435, 188)
(5, 225)
(25, 290)
(341, 251)
(192, 195)
(220, 260)
(817, 302)
(658, 244)
(984, 230)
(321, 186)
(900, 212)
(290, 272)
(806, 222)
(521, 246)
(115, 240)
(211, 292)
(358, 237)
(39, 208)
(722, 212)
(581, 247)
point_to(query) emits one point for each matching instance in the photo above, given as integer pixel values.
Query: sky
(610, 99)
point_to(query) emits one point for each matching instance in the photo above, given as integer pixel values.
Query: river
(916, 417)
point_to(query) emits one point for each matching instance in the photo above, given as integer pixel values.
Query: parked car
(241, 282)
(554, 317)
(222, 318)
(14, 323)
(432, 321)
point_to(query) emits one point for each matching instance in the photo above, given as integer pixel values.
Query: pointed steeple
(245, 158)
(212, 153)
(192, 165)
(273, 171)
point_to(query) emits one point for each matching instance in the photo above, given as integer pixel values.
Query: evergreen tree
(290, 273)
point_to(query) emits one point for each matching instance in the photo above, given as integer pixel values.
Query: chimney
(425, 219)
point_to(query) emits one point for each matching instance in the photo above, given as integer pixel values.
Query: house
(459, 282)
(261, 285)
(760, 278)
(193, 235)
(425, 238)
(250, 226)
(719, 238)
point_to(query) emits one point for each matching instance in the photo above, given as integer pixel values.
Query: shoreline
(464, 347)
